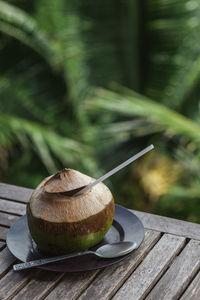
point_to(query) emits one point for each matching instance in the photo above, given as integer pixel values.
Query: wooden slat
(39, 286)
(72, 285)
(181, 272)
(7, 219)
(151, 269)
(12, 282)
(169, 225)
(101, 287)
(16, 193)
(3, 233)
(193, 291)
(12, 207)
(6, 260)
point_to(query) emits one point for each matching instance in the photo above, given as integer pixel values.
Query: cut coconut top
(65, 181)
(52, 202)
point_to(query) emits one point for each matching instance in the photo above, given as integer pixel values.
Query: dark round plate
(126, 227)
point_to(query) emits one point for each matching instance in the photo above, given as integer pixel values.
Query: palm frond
(64, 25)
(172, 62)
(139, 105)
(20, 25)
(47, 144)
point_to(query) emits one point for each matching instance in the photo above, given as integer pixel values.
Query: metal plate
(126, 227)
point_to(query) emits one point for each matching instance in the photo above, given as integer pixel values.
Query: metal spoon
(105, 251)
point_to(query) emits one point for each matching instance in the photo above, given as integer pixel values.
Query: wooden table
(166, 266)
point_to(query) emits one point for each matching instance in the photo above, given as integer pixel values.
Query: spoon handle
(44, 261)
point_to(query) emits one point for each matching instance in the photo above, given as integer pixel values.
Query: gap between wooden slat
(57, 283)
(13, 282)
(39, 284)
(31, 276)
(90, 283)
(10, 213)
(6, 261)
(189, 284)
(2, 245)
(51, 288)
(4, 226)
(14, 201)
(192, 290)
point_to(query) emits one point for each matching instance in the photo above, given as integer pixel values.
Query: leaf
(139, 105)
(172, 63)
(45, 142)
(20, 25)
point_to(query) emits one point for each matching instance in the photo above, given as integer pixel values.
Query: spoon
(105, 251)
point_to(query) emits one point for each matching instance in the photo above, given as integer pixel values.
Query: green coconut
(62, 223)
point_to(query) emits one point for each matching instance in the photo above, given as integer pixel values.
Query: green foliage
(69, 75)
(39, 92)
(141, 106)
(21, 26)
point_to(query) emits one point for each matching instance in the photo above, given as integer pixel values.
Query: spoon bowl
(115, 249)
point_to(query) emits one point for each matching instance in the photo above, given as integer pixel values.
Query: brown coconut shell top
(53, 199)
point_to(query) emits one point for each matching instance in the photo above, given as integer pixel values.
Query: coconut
(60, 222)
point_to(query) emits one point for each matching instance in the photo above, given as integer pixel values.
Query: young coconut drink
(60, 223)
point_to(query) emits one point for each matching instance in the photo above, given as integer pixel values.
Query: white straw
(115, 170)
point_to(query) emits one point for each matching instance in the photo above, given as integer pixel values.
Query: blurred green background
(86, 84)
